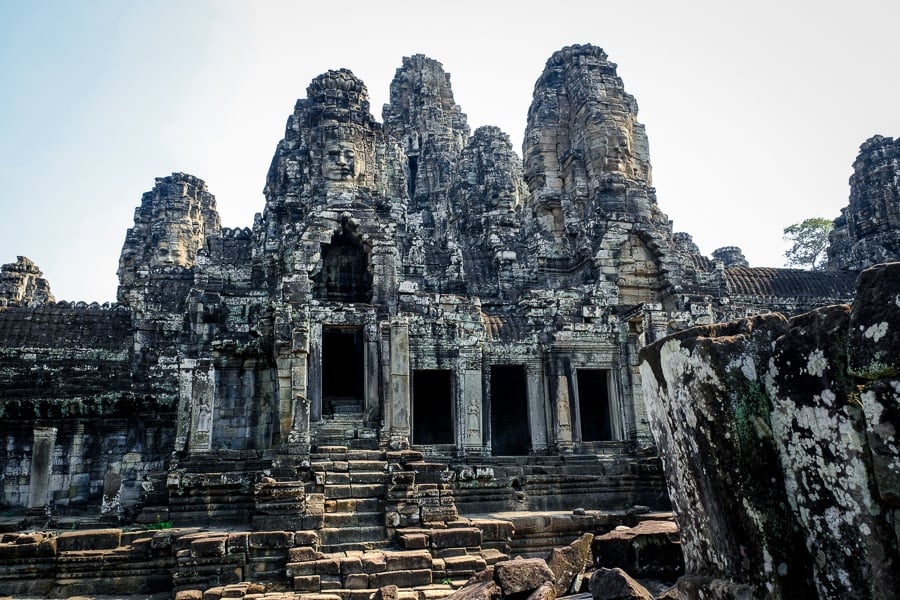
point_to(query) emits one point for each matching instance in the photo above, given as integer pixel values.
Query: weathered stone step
(354, 505)
(354, 519)
(362, 464)
(333, 539)
(355, 490)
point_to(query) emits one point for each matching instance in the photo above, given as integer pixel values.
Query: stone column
(399, 427)
(79, 481)
(371, 339)
(563, 406)
(41, 469)
(537, 412)
(299, 438)
(111, 505)
(186, 368)
(314, 365)
(203, 398)
(472, 433)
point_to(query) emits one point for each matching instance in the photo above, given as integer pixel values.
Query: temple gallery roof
(765, 281)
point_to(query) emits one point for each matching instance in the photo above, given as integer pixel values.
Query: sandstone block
(306, 583)
(306, 538)
(356, 581)
(467, 537)
(209, 546)
(94, 539)
(295, 569)
(374, 562)
(546, 592)
(568, 562)
(404, 579)
(407, 561)
(467, 563)
(649, 549)
(271, 539)
(616, 584)
(483, 590)
(351, 564)
(328, 566)
(522, 575)
(413, 541)
(302, 554)
(237, 543)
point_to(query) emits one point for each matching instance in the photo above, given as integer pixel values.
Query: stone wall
(777, 437)
(407, 285)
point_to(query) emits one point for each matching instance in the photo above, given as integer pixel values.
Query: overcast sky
(754, 110)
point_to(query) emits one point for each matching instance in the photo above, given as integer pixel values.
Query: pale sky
(754, 110)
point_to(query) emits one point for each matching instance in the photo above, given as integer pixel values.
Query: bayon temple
(418, 326)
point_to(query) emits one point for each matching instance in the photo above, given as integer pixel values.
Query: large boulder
(568, 562)
(522, 575)
(616, 584)
(782, 465)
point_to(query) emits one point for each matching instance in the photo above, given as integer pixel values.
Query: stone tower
(587, 168)
(22, 284)
(171, 227)
(868, 230)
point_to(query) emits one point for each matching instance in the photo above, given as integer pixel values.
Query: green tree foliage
(810, 241)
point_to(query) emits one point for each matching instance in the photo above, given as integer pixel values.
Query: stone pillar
(111, 505)
(314, 362)
(371, 387)
(562, 407)
(186, 368)
(473, 409)
(202, 408)
(299, 437)
(537, 412)
(41, 469)
(79, 481)
(399, 427)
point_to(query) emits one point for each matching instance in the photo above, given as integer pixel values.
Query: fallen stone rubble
(461, 563)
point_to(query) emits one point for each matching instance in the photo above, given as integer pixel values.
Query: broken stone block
(482, 590)
(546, 592)
(566, 563)
(616, 584)
(521, 575)
(649, 549)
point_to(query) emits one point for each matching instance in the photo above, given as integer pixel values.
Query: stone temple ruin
(419, 326)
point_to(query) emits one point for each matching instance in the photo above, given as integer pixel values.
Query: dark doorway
(345, 273)
(593, 405)
(432, 407)
(343, 370)
(510, 434)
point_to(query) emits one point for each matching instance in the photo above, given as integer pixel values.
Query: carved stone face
(340, 162)
(171, 252)
(174, 245)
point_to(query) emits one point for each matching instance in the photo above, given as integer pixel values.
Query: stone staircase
(346, 427)
(354, 484)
